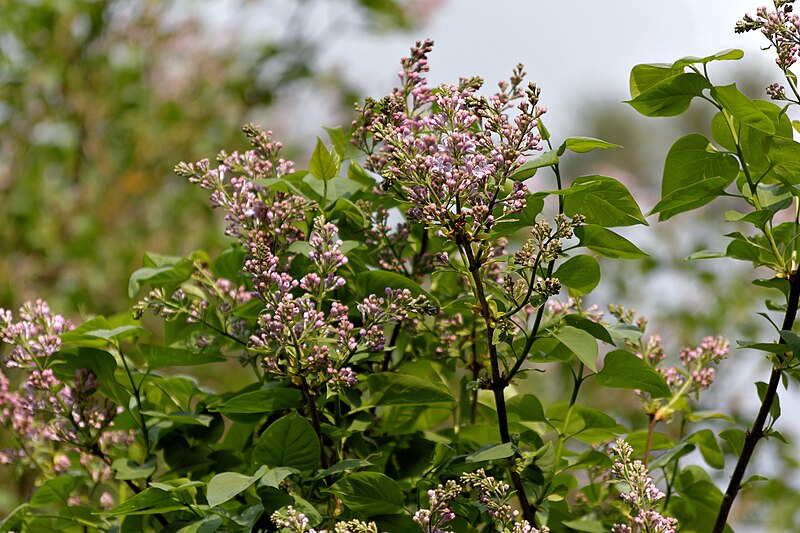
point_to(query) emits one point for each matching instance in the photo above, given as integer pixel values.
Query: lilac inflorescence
(59, 417)
(491, 495)
(296, 522)
(781, 27)
(643, 495)
(449, 151)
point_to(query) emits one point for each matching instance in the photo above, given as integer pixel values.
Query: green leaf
(55, 491)
(369, 494)
(182, 417)
(726, 55)
(603, 201)
(274, 476)
(595, 329)
(784, 155)
(582, 344)
(167, 277)
(734, 437)
(709, 448)
(580, 274)
(645, 76)
(529, 167)
(343, 466)
(792, 339)
(607, 243)
(492, 452)
(694, 174)
(129, 469)
(79, 336)
(260, 401)
(377, 281)
(226, 485)
(742, 108)
(151, 500)
(689, 197)
(586, 526)
(289, 441)
(208, 524)
(158, 356)
(623, 370)
(323, 165)
(525, 408)
(534, 203)
(625, 332)
(775, 408)
(389, 388)
(15, 520)
(104, 366)
(337, 187)
(343, 208)
(581, 145)
(229, 263)
(338, 140)
(670, 96)
(355, 172)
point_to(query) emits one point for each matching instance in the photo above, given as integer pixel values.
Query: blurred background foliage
(100, 98)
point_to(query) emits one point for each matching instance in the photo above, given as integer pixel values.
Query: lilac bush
(402, 309)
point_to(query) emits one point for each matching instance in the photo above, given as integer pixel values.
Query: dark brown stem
(498, 381)
(312, 412)
(476, 370)
(756, 432)
(387, 356)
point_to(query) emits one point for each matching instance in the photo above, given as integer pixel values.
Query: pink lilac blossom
(643, 495)
(294, 330)
(448, 151)
(52, 416)
(781, 27)
(490, 494)
(296, 522)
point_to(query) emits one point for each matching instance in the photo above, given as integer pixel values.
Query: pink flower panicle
(449, 151)
(303, 329)
(781, 27)
(490, 494)
(642, 496)
(59, 417)
(296, 522)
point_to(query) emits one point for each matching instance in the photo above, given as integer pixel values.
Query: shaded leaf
(623, 370)
(388, 388)
(289, 441)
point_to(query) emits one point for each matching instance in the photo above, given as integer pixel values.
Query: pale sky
(576, 51)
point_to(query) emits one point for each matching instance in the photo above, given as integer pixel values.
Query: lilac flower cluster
(54, 420)
(573, 305)
(439, 511)
(251, 208)
(782, 28)
(642, 497)
(303, 329)
(696, 361)
(296, 522)
(491, 495)
(296, 334)
(195, 299)
(447, 150)
(523, 286)
(696, 374)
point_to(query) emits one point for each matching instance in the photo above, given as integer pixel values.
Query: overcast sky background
(579, 52)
